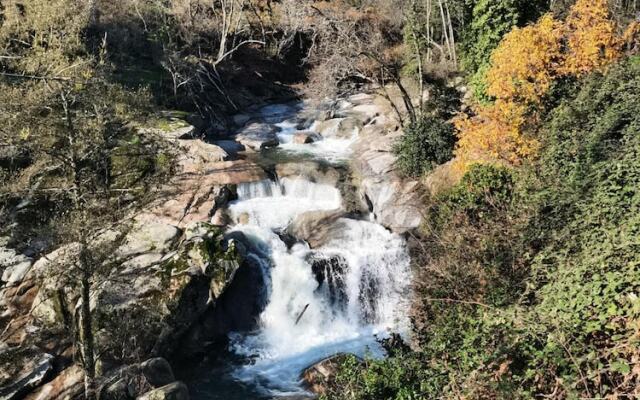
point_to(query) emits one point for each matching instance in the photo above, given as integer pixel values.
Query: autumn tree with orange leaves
(523, 68)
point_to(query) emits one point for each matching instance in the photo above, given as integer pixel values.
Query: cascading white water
(330, 148)
(321, 301)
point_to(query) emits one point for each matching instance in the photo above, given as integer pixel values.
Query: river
(341, 296)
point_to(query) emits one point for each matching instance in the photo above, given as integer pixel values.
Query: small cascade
(273, 205)
(321, 301)
(340, 296)
(329, 147)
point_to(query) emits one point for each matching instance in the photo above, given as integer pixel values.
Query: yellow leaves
(25, 134)
(523, 68)
(591, 38)
(495, 133)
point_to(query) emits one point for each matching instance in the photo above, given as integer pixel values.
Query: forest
(519, 121)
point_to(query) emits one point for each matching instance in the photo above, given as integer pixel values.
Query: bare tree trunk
(445, 30)
(452, 38)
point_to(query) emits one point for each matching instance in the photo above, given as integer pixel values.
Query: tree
(57, 105)
(524, 67)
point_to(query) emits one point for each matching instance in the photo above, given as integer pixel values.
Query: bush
(425, 144)
(490, 21)
(529, 285)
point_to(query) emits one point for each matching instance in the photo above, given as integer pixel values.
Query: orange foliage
(495, 133)
(523, 68)
(591, 38)
(523, 65)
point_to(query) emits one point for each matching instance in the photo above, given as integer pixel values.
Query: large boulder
(341, 128)
(395, 202)
(130, 382)
(22, 370)
(316, 227)
(258, 136)
(309, 170)
(157, 306)
(148, 236)
(236, 310)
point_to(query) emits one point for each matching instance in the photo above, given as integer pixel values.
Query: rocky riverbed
(210, 262)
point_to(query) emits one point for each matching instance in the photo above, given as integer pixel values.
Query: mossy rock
(130, 165)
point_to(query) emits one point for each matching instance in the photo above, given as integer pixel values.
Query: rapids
(339, 297)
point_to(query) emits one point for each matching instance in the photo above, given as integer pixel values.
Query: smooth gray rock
(258, 136)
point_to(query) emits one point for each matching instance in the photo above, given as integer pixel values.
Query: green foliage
(483, 188)
(424, 145)
(490, 21)
(531, 281)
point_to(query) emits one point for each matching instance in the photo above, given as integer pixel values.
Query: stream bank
(282, 241)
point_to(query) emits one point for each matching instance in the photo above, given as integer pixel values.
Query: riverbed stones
(258, 136)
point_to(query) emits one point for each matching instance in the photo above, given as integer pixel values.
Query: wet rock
(316, 227)
(341, 128)
(311, 171)
(241, 119)
(318, 376)
(231, 147)
(258, 136)
(173, 391)
(236, 310)
(22, 370)
(69, 384)
(304, 138)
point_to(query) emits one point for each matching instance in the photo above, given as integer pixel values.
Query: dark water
(212, 380)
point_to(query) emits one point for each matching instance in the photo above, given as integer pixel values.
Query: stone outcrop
(309, 170)
(173, 391)
(395, 201)
(133, 381)
(22, 370)
(316, 227)
(69, 384)
(258, 136)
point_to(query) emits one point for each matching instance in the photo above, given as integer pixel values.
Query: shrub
(424, 145)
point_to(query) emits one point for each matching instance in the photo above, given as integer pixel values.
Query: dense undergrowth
(529, 285)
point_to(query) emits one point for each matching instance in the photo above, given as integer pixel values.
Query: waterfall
(321, 301)
(273, 205)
